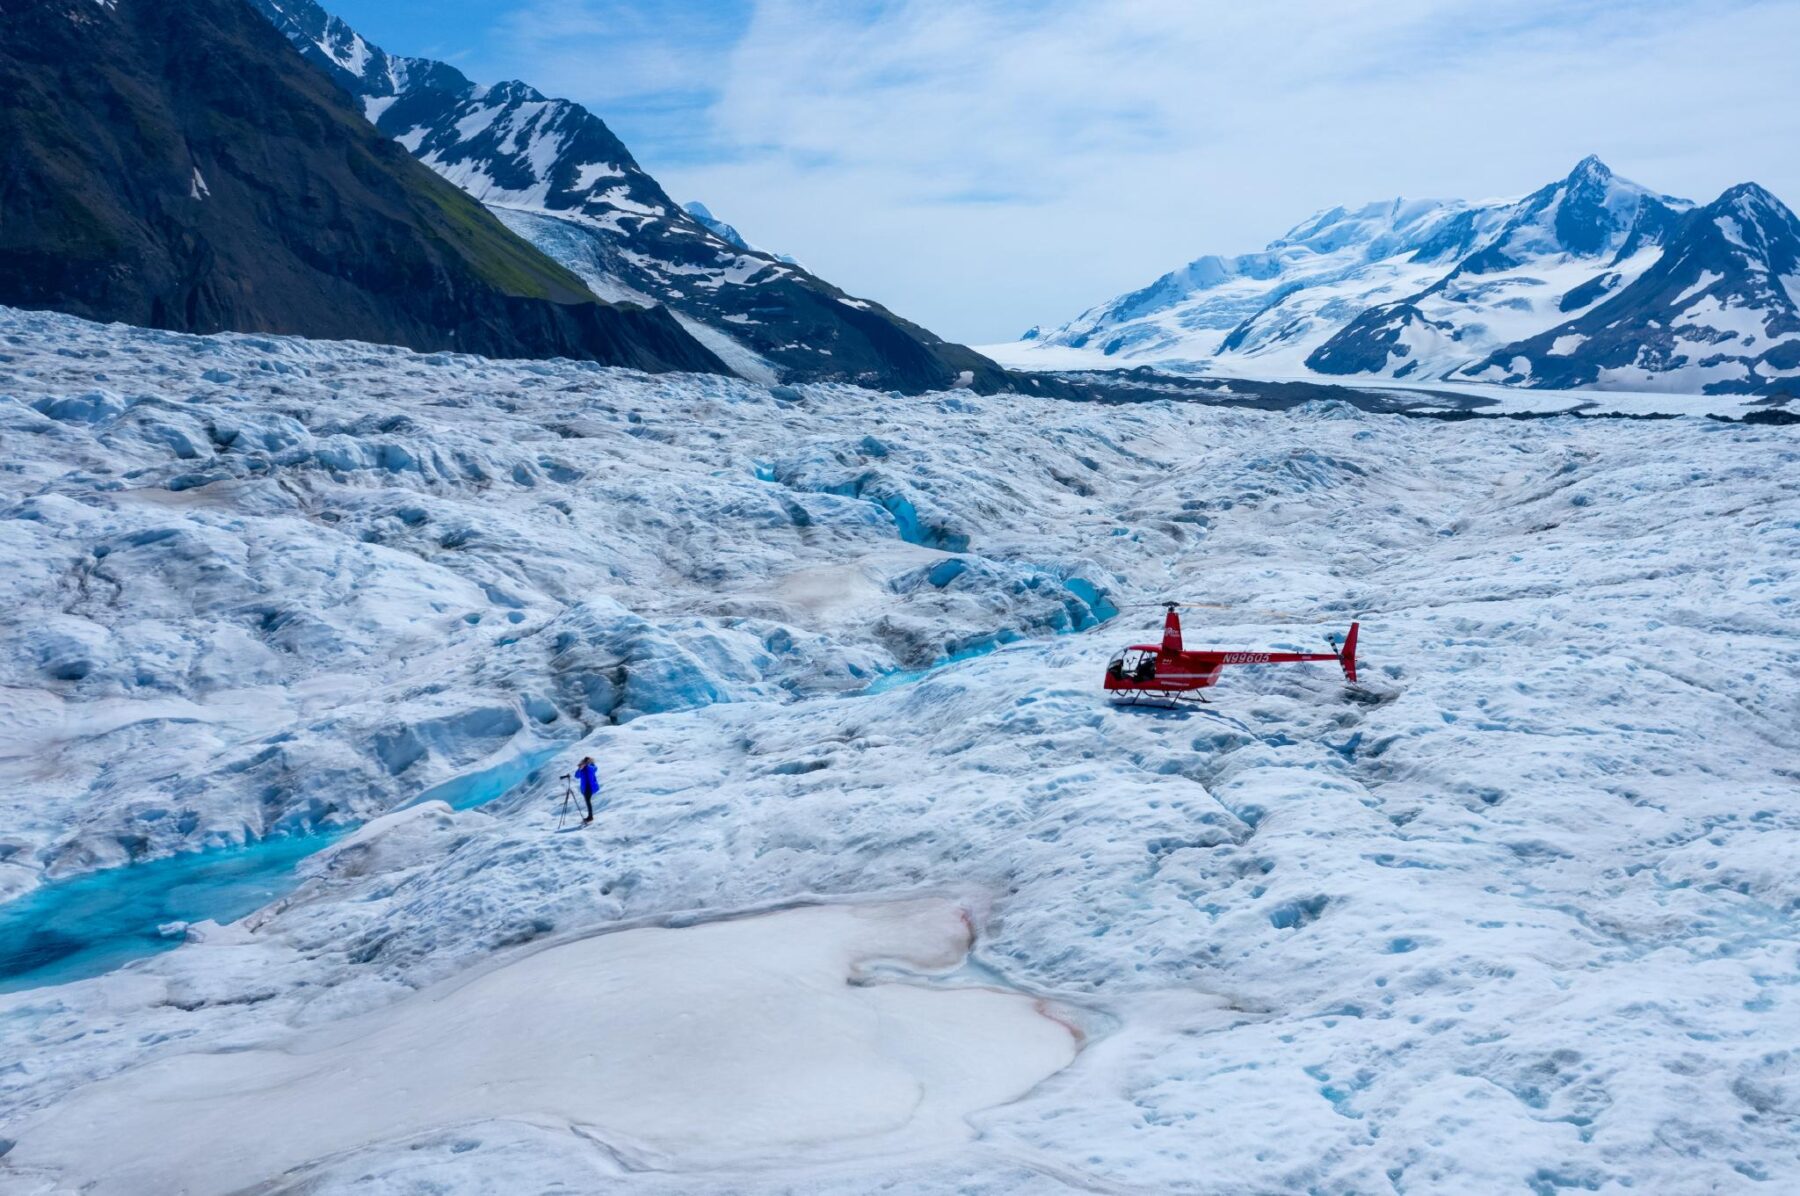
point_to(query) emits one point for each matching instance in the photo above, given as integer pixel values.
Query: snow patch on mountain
(743, 361)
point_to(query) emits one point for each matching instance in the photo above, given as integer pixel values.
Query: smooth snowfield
(728, 1044)
(1516, 915)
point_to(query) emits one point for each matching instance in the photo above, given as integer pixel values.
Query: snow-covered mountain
(1444, 290)
(554, 173)
(1560, 248)
(1286, 299)
(1718, 311)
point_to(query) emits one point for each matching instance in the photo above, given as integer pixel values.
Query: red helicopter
(1145, 673)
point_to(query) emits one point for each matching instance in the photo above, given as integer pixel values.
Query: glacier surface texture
(881, 894)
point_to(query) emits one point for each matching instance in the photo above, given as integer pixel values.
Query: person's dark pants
(589, 799)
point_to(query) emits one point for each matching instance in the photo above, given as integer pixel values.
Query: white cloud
(981, 165)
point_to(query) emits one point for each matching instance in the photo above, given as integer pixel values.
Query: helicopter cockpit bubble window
(1135, 664)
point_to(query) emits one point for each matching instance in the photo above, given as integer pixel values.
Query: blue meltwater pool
(92, 923)
(88, 924)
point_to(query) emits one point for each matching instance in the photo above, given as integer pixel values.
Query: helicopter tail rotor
(1346, 653)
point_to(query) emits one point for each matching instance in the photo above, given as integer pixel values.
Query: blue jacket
(589, 776)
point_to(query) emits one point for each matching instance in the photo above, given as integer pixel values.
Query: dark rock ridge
(177, 165)
(557, 175)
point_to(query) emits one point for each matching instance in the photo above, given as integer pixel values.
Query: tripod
(568, 796)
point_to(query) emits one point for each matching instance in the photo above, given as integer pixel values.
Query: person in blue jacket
(589, 776)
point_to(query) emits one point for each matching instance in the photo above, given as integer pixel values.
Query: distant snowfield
(1511, 400)
(1517, 915)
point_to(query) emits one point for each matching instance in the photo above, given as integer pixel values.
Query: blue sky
(984, 165)
(651, 69)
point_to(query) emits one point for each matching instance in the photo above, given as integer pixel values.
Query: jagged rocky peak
(714, 225)
(1591, 213)
(1718, 312)
(1591, 167)
(1759, 223)
(340, 47)
(505, 143)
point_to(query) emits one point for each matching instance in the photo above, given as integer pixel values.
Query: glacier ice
(1516, 915)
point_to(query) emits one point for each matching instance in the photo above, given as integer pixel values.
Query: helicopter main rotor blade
(1227, 606)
